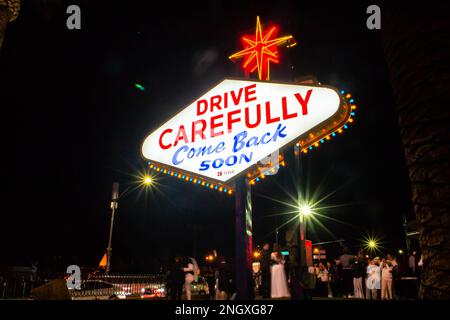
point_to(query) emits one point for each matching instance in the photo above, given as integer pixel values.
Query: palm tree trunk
(9, 10)
(417, 49)
(3, 22)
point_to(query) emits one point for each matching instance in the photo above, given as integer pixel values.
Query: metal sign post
(243, 236)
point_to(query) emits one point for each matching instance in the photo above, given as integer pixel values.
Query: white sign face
(236, 124)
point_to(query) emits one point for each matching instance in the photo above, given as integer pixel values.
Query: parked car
(97, 290)
(200, 287)
(153, 293)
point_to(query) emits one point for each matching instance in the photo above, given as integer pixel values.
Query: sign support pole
(300, 236)
(243, 236)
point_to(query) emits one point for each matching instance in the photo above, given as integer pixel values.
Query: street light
(303, 211)
(147, 180)
(372, 243)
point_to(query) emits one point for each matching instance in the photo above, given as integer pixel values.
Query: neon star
(260, 52)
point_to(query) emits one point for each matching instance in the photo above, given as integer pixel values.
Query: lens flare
(372, 243)
(302, 203)
(148, 180)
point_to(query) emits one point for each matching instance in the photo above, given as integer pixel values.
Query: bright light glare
(148, 180)
(308, 206)
(372, 243)
(305, 210)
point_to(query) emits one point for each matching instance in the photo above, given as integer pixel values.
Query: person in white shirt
(373, 279)
(386, 280)
(323, 278)
(191, 274)
(395, 278)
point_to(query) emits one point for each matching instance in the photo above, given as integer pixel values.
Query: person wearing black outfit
(175, 279)
(226, 285)
(334, 281)
(308, 283)
(265, 271)
(346, 261)
(211, 280)
(359, 270)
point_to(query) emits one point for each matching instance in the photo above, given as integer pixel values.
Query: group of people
(180, 276)
(355, 277)
(349, 276)
(219, 279)
(359, 277)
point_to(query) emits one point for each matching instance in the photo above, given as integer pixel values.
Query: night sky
(73, 123)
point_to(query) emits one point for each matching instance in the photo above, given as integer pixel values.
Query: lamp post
(147, 181)
(114, 200)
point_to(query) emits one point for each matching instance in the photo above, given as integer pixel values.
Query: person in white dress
(373, 280)
(191, 274)
(279, 286)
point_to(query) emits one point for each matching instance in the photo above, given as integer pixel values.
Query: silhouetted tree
(417, 50)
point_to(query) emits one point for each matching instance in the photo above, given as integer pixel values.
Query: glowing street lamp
(148, 181)
(372, 243)
(303, 211)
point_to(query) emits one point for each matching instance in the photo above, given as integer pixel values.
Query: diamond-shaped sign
(237, 123)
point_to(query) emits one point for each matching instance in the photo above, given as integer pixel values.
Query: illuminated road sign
(237, 123)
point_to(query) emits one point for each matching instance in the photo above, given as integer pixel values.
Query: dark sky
(73, 123)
